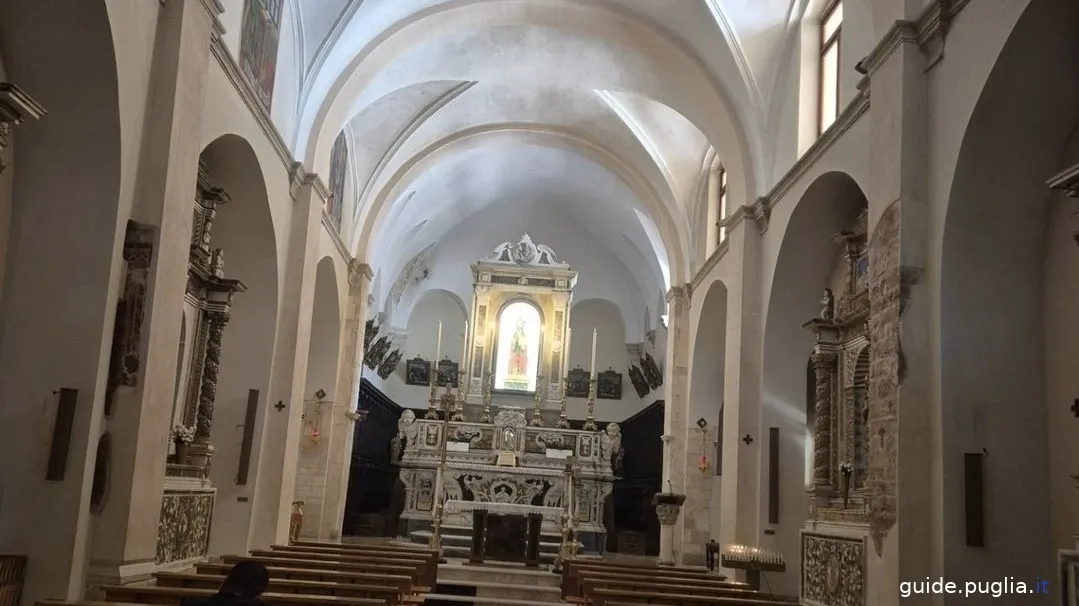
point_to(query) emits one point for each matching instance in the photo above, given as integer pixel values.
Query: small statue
(295, 521)
(610, 444)
(827, 305)
(395, 449)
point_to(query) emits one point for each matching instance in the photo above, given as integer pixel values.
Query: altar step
(457, 543)
(460, 584)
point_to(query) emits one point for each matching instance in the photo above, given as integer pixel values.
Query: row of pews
(304, 573)
(608, 583)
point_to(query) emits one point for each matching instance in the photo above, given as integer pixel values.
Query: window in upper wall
(830, 48)
(722, 204)
(258, 45)
(338, 171)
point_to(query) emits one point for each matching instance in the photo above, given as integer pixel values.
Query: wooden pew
(390, 594)
(573, 568)
(283, 561)
(387, 547)
(430, 558)
(576, 587)
(403, 583)
(173, 596)
(590, 584)
(427, 572)
(641, 595)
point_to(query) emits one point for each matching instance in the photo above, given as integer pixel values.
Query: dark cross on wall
(279, 406)
(748, 439)
(1075, 407)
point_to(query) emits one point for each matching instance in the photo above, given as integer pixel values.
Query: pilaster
(742, 439)
(903, 426)
(348, 388)
(139, 407)
(277, 462)
(676, 404)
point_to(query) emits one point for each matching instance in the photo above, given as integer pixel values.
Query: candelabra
(436, 518)
(462, 395)
(564, 550)
(432, 410)
(537, 419)
(590, 421)
(489, 385)
(563, 415)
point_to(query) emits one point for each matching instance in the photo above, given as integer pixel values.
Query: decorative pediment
(525, 252)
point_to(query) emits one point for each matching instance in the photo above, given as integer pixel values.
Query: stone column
(276, 478)
(675, 371)
(824, 369)
(126, 532)
(211, 363)
(904, 424)
(348, 389)
(668, 518)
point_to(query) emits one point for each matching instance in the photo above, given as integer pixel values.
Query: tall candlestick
(593, 367)
(464, 349)
(565, 351)
(438, 345)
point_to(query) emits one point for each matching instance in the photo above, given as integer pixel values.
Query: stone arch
(998, 275)
(61, 232)
(323, 417)
(805, 266)
(706, 377)
(418, 338)
(244, 230)
(606, 317)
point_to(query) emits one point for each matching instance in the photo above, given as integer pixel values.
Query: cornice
(334, 230)
(299, 178)
(929, 31)
(214, 8)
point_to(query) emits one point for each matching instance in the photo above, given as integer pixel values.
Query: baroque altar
(508, 464)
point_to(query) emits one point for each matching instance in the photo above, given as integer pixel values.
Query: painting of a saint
(517, 353)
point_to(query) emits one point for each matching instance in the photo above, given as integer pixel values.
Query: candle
(565, 352)
(593, 367)
(464, 349)
(438, 344)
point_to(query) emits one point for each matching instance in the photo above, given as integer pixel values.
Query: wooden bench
(428, 557)
(387, 547)
(173, 596)
(391, 594)
(403, 583)
(573, 568)
(590, 585)
(626, 597)
(576, 588)
(412, 572)
(427, 572)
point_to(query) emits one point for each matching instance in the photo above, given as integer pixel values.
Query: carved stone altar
(534, 485)
(833, 540)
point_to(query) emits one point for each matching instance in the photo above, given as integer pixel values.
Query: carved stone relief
(833, 570)
(184, 527)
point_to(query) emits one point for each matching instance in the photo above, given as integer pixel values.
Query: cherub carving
(827, 305)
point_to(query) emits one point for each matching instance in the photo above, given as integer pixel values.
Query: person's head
(247, 579)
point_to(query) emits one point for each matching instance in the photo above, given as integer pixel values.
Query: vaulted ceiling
(606, 110)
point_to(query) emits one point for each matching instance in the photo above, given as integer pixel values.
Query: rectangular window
(722, 203)
(830, 33)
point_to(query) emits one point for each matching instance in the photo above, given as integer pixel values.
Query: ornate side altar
(530, 478)
(835, 536)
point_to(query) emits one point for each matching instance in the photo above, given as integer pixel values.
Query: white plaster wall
(603, 316)
(232, 20)
(600, 275)
(287, 77)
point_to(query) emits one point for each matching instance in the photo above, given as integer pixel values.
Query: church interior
(507, 302)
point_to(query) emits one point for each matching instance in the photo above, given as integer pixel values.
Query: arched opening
(244, 231)
(816, 308)
(517, 349)
(324, 421)
(605, 317)
(59, 259)
(706, 384)
(1007, 321)
(419, 341)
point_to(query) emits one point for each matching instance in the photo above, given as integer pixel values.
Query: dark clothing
(223, 599)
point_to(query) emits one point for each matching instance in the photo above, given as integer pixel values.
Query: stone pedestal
(668, 506)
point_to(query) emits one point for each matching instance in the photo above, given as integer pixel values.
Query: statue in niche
(827, 305)
(519, 350)
(509, 439)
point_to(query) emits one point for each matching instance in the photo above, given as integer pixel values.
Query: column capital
(684, 291)
(359, 273)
